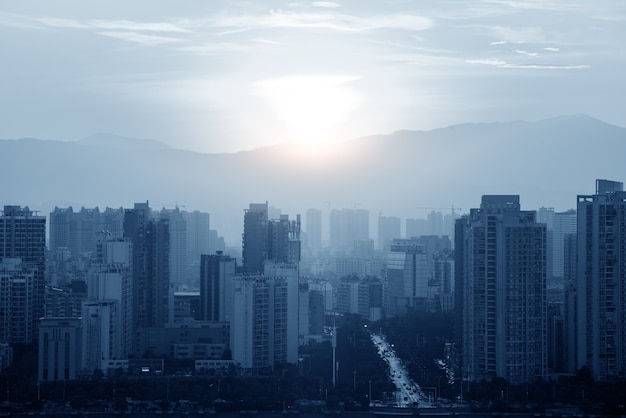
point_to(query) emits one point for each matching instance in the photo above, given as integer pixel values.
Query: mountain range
(405, 173)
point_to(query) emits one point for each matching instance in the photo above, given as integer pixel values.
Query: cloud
(125, 25)
(551, 49)
(211, 49)
(503, 64)
(141, 38)
(333, 21)
(506, 42)
(527, 53)
(234, 31)
(325, 4)
(267, 41)
(62, 23)
(136, 26)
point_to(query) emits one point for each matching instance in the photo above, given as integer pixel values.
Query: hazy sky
(222, 76)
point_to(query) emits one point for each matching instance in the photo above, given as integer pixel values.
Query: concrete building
(216, 273)
(178, 254)
(443, 278)
(388, 229)
(313, 230)
(265, 318)
(408, 273)
(60, 349)
(346, 227)
(501, 284)
(75, 230)
(254, 249)
(101, 340)
(601, 282)
(17, 297)
(110, 278)
(559, 226)
(23, 235)
(361, 296)
(186, 306)
(150, 266)
(193, 339)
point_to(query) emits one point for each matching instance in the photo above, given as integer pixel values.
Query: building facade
(600, 288)
(23, 236)
(60, 349)
(501, 275)
(216, 273)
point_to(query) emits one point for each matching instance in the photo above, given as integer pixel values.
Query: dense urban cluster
(526, 297)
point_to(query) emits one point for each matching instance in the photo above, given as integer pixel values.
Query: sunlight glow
(312, 106)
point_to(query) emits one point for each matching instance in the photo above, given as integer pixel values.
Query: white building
(60, 348)
(264, 327)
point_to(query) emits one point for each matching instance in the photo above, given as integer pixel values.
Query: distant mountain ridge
(547, 163)
(121, 142)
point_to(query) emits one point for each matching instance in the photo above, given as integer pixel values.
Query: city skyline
(228, 76)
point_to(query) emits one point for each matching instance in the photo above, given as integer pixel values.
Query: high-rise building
(559, 225)
(264, 328)
(150, 264)
(601, 281)
(23, 235)
(388, 229)
(101, 340)
(198, 226)
(16, 295)
(348, 226)
(110, 278)
(254, 250)
(313, 229)
(416, 228)
(443, 277)
(269, 239)
(501, 277)
(216, 273)
(409, 270)
(283, 240)
(178, 254)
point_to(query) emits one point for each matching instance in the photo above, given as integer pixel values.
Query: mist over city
(312, 208)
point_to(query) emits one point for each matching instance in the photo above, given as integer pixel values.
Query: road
(408, 393)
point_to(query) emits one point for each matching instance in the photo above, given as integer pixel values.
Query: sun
(313, 107)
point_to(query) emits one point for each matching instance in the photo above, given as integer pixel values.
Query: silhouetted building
(501, 274)
(443, 277)
(601, 282)
(186, 306)
(254, 249)
(150, 264)
(189, 340)
(216, 272)
(23, 235)
(283, 237)
(178, 254)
